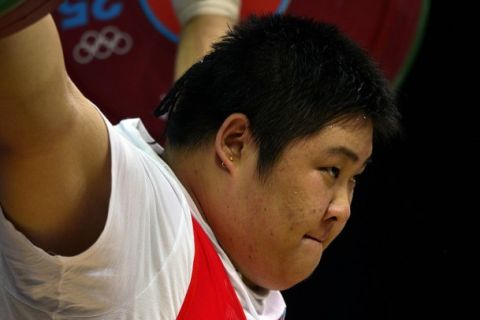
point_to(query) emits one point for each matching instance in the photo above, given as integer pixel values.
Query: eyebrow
(344, 151)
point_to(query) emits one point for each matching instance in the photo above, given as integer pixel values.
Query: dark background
(400, 255)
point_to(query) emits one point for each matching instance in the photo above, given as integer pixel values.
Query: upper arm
(203, 23)
(54, 160)
(32, 85)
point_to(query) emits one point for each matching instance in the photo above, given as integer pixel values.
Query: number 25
(76, 14)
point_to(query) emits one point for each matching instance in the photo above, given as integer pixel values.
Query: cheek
(306, 195)
(271, 223)
(311, 199)
(300, 213)
(289, 207)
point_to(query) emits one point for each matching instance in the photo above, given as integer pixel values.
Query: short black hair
(291, 76)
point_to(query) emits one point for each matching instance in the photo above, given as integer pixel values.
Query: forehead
(351, 138)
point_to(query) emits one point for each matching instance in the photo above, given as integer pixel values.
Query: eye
(354, 180)
(332, 171)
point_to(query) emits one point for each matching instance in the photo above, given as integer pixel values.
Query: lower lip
(313, 240)
(313, 247)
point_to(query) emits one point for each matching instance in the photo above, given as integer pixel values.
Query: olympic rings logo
(101, 45)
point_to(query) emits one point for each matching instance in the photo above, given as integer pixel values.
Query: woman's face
(275, 231)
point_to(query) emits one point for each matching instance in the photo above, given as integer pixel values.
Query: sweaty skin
(276, 231)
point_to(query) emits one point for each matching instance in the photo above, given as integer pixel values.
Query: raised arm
(54, 161)
(33, 83)
(203, 23)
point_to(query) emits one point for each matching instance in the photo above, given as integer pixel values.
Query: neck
(194, 172)
(183, 167)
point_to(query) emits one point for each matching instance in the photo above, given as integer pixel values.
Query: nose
(339, 208)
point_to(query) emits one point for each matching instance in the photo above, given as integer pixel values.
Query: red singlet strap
(210, 295)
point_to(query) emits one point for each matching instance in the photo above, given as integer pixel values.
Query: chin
(285, 281)
(288, 283)
(285, 273)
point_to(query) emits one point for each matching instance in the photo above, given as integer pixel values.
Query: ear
(231, 139)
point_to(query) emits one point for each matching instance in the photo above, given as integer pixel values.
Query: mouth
(321, 236)
(313, 238)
